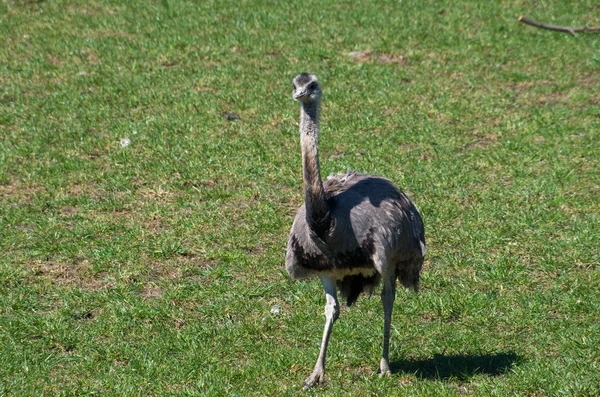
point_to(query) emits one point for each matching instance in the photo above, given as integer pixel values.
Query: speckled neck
(318, 215)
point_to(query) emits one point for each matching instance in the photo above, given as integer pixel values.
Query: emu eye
(312, 86)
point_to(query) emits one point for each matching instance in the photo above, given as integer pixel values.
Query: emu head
(306, 88)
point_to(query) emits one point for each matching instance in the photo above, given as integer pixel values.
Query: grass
(151, 269)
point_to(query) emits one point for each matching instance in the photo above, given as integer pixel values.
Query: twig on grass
(568, 29)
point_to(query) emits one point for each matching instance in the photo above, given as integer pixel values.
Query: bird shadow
(458, 366)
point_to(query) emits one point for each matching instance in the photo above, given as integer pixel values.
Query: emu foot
(317, 377)
(384, 368)
(384, 373)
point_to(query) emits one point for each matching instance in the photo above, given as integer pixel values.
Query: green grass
(151, 269)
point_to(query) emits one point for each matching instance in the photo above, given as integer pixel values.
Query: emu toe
(384, 368)
(317, 377)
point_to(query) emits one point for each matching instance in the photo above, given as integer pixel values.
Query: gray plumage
(353, 231)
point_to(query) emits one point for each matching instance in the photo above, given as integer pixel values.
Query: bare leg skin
(387, 297)
(332, 311)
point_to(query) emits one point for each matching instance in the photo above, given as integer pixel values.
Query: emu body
(354, 231)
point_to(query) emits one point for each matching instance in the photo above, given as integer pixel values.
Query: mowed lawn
(150, 171)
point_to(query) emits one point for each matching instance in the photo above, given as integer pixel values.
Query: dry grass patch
(76, 274)
(370, 56)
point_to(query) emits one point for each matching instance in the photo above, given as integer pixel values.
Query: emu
(353, 232)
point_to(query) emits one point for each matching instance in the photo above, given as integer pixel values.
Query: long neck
(318, 215)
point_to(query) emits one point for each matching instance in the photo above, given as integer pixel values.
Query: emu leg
(332, 311)
(387, 297)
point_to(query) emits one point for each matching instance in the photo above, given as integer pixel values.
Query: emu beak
(299, 95)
